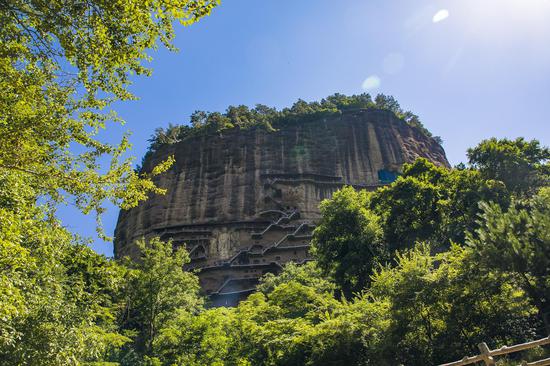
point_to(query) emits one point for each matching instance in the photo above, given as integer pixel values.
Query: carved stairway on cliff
(277, 235)
(281, 241)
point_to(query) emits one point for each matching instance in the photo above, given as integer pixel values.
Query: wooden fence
(487, 356)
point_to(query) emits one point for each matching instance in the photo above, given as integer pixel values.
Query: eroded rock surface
(246, 202)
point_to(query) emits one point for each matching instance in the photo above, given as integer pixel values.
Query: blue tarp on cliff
(386, 176)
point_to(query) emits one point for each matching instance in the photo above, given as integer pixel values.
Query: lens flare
(440, 16)
(372, 82)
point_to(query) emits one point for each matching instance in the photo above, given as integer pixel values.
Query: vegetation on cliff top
(243, 117)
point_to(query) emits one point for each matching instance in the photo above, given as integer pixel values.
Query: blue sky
(471, 69)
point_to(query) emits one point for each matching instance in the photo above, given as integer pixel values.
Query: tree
(522, 165)
(408, 211)
(387, 102)
(442, 306)
(517, 241)
(308, 274)
(268, 118)
(464, 190)
(432, 204)
(57, 298)
(62, 64)
(347, 243)
(272, 328)
(198, 119)
(204, 339)
(157, 289)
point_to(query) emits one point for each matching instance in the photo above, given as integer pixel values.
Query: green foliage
(274, 328)
(517, 241)
(157, 288)
(293, 323)
(78, 307)
(442, 306)
(433, 204)
(56, 296)
(197, 339)
(348, 242)
(522, 165)
(308, 274)
(422, 310)
(408, 208)
(425, 204)
(62, 65)
(242, 117)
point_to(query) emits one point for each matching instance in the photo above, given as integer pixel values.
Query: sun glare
(440, 16)
(507, 18)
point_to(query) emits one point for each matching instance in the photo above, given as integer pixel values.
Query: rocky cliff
(244, 202)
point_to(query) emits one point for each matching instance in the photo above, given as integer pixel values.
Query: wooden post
(486, 353)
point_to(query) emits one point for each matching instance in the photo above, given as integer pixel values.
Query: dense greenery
(521, 165)
(517, 242)
(242, 117)
(417, 272)
(62, 66)
(349, 241)
(427, 271)
(157, 287)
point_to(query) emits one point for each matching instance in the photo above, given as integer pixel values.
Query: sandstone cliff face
(245, 202)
